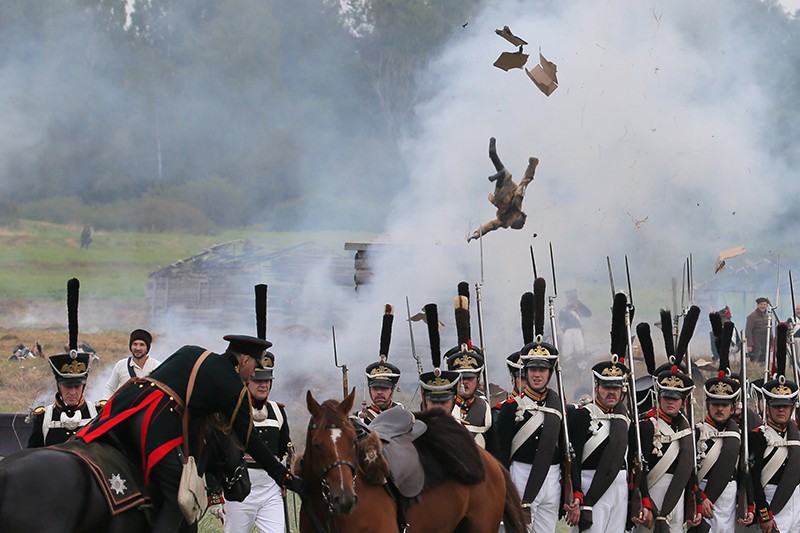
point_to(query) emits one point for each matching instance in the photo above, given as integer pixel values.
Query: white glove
(218, 510)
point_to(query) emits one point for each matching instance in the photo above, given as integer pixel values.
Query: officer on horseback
(144, 418)
(59, 421)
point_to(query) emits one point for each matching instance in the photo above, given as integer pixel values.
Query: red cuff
(647, 503)
(764, 515)
(577, 495)
(215, 499)
(702, 494)
(751, 508)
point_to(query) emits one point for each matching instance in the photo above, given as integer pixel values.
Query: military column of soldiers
(631, 462)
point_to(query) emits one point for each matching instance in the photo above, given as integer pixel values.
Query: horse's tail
(513, 515)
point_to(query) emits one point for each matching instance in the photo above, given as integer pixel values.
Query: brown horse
(466, 489)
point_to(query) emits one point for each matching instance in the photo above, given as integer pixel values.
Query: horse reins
(326, 488)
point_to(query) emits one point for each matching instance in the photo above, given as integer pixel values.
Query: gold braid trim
(244, 398)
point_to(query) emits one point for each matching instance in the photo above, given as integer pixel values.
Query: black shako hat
(248, 345)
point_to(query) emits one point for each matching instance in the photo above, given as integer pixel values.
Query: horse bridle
(326, 488)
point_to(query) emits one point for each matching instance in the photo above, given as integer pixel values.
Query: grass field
(39, 257)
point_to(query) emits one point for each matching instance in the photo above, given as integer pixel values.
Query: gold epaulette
(100, 404)
(39, 411)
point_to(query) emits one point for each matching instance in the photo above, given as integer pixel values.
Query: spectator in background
(86, 236)
(138, 365)
(756, 331)
(570, 319)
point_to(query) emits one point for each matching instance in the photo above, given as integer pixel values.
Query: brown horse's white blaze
(331, 451)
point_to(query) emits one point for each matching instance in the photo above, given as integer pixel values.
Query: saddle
(397, 430)
(119, 481)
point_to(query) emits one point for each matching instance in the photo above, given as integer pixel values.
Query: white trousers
(788, 520)
(724, 517)
(544, 508)
(609, 514)
(657, 493)
(262, 507)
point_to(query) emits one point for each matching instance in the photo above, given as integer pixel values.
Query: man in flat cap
(145, 417)
(138, 365)
(755, 330)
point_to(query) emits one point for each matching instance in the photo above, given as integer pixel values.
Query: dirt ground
(30, 381)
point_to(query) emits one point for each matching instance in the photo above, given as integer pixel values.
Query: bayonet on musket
(569, 452)
(342, 366)
(744, 455)
(411, 335)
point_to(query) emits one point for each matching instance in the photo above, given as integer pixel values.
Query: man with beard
(59, 421)
(263, 507)
(775, 451)
(138, 365)
(598, 432)
(471, 407)
(382, 376)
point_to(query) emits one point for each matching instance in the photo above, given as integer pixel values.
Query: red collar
(464, 404)
(777, 427)
(664, 416)
(535, 396)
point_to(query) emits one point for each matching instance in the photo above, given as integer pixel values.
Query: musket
(533, 263)
(639, 465)
(744, 451)
(569, 453)
(342, 366)
(284, 493)
(611, 279)
(770, 362)
(688, 355)
(792, 345)
(479, 309)
(411, 335)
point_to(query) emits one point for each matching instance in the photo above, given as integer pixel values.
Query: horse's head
(330, 454)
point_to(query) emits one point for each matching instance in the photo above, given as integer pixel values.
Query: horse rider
(775, 451)
(598, 432)
(264, 506)
(666, 444)
(145, 419)
(139, 364)
(61, 420)
(530, 432)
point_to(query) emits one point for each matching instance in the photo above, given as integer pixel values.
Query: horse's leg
(376, 511)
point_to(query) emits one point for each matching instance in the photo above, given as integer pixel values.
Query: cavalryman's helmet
(614, 373)
(539, 354)
(439, 385)
(70, 368)
(780, 392)
(674, 384)
(268, 364)
(382, 374)
(610, 373)
(514, 364)
(722, 389)
(466, 363)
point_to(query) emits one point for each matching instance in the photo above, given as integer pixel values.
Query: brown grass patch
(23, 382)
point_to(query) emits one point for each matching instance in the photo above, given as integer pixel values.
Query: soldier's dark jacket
(269, 421)
(508, 426)
(590, 423)
(368, 414)
(218, 389)
(476, 415)
(56, 423)
(775, 453)
(726, 439)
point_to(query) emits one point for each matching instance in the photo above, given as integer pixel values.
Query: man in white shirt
(139, 364)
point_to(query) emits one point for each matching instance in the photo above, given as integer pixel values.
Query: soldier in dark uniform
(264, 505)
(59, 421)
(718, 444)
(667, 440)
(382, 376)
(145, 418)
(530, 428)
(599, 432)
(775, 452)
